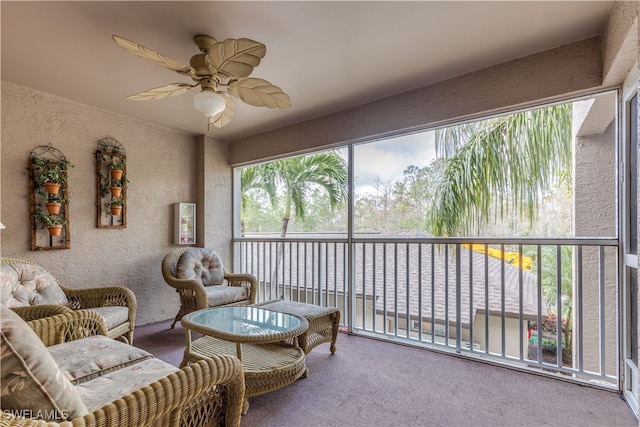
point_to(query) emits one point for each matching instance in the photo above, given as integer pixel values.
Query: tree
(507, 164)
(414, 194)
(295, 179)
(503, 163)
(258, 179)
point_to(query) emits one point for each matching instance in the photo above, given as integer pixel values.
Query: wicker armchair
(204, 394)
(116, 303)
(202, 281)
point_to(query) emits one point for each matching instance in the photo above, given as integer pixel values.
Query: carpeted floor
(375, 384)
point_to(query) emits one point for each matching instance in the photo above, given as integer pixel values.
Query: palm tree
(508, 163)
(294, 178)
(256, 179)
(503, 163)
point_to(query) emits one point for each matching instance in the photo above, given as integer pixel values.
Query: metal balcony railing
(488, 298)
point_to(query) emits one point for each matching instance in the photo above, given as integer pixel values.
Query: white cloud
(385, 160)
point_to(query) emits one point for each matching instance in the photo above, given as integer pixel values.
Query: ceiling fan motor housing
(200, 67)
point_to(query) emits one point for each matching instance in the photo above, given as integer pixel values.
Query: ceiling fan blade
(259, 93)
(204, 43)
(224, 118)
(235, 57)
(172, 89)
(153, 56)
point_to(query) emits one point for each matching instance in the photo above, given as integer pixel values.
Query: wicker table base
(323, 322)
(267, 367)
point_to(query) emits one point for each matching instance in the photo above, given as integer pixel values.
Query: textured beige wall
(214, 187)
(161, 164)
(620, 45)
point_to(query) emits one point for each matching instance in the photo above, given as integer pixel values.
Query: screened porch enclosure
(539, 294)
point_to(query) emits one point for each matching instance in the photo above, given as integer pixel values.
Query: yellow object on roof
(512, 258)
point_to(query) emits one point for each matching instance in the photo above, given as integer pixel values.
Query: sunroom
(477, 294)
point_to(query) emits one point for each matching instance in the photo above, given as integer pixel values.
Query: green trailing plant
(117, 163)
(49, 171)
(106, 182)
(112, 155)
(111, 160)
(45, 170)
(45, 220)
(57, 198)
(115, 201)
(107, 148)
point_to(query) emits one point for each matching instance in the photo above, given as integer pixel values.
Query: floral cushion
(30, 380)
(25, 284)
(113, 315)
(200, 264)
(219, 295)
(87, 358)
(111, 386)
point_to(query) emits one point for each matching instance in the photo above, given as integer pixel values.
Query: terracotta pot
(52, 187)
(116, 173)
(115, 210)
(55, 230)
(53, 208)
(115, 191)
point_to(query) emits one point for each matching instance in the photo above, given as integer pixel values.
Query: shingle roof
(436, 275)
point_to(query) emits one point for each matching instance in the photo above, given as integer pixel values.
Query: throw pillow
(31, 384)
(27, 284)
(200, 264)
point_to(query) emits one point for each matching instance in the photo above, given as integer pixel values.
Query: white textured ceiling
(326, 55)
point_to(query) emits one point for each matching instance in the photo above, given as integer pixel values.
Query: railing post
(351, 315)
(458, 302)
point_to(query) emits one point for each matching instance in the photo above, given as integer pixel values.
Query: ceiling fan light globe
(209, 103)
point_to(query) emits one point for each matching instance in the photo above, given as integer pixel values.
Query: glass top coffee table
(254, 335)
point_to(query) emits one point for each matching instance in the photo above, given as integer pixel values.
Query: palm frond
(296, 177)
(504, 164)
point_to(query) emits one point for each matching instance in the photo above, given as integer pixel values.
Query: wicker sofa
(202, 281)
(33, 293)
(61, 369)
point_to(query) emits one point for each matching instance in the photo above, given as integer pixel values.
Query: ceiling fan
(221, 71)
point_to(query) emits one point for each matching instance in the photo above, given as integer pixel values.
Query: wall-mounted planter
(115, 191)
(49, 199)
(116, 173)
(52, 187)
(53, 208)
(55, 230)
(111, 173)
